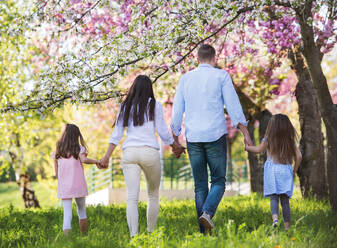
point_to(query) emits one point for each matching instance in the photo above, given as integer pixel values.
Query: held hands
(248, 142)
(103, 163)
(177, 149)
(99, 165)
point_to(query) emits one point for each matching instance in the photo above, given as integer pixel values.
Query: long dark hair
(69, 143)
(137, 100)
(281, 137)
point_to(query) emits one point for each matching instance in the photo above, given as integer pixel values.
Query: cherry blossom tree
(84, 48)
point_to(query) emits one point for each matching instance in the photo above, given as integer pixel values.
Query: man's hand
(246, 135)
(247, 140)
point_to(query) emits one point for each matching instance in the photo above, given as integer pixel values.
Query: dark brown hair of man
(281, 139)
(139, 103)
(69, 143)
(206, 53)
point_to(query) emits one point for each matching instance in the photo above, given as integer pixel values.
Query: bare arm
(56, 168)
(245, 133)
(86, 160)
(298, 160)
(256, 149)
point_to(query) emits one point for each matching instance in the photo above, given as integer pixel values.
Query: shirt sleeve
(83, 151)
(232, 102)
(161, 126)
(53, 155)
(118, 131)
(178, 110)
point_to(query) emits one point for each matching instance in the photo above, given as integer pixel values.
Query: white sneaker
(206, 222)
(275, 223)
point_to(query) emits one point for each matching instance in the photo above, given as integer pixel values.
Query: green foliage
(172, 164)
(25, 137)
(240, 222)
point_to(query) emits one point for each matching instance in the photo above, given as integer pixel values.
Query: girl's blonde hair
(281, 139)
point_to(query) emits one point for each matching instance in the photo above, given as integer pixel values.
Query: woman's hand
(98, 165)
(177, 149)
(104, 163)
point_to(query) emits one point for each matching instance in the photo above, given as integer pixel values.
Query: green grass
(242, 221)
(45, 191)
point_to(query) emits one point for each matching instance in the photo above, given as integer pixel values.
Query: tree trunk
(255, 168)
(254, 113)
(313, 58)
(263, 118)
(312, 171)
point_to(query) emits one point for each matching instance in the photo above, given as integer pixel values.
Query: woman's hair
(137, 102)
(281, 137)
(69, 143)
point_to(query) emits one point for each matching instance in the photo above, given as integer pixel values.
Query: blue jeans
(215, 155)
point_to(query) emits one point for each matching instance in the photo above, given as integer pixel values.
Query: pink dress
(71, 179)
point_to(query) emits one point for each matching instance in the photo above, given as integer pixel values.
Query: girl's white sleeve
(83, 151)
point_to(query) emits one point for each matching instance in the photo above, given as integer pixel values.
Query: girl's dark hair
(69, 143)
(281, 139)
(137, 102)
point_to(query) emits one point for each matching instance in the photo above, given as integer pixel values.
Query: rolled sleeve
(161, 126)
(118, 131)
(232, 102)
(178, 110)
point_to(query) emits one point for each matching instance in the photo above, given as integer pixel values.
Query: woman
(142, 116)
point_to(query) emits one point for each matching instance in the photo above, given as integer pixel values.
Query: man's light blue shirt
(202, 94)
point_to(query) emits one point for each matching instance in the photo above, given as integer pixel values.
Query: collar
(205, 65)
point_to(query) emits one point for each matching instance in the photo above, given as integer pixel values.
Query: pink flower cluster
(281, 34)
(99, 24)
(326, 38)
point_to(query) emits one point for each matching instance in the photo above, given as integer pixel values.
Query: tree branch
(243, 10)
(77, 20)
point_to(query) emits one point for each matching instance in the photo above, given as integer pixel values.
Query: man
(201, 95)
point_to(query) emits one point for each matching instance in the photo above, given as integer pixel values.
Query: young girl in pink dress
(70, 154)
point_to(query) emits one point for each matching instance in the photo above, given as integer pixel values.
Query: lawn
(45, 191)
(241, 221)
